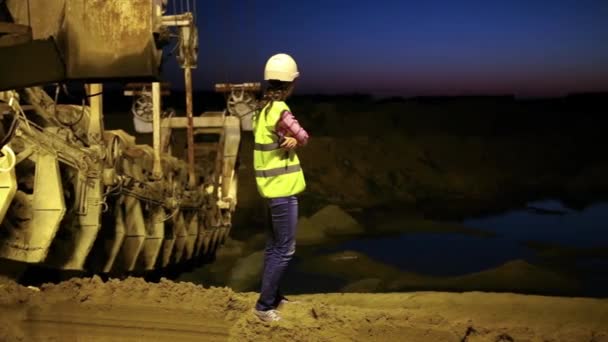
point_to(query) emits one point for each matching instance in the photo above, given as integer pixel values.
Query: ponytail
(275, 91)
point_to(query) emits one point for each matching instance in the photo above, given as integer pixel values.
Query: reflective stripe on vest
(278, 171)
(266, 147)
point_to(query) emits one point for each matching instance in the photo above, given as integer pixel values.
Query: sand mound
(309, 234)
(330, 221)
(13, 293)
(323, 322)
(431, 317)
(93, 310)
(247, 271)
(217, 301)
(136, 291)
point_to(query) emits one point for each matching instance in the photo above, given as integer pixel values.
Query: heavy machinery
(75, 196)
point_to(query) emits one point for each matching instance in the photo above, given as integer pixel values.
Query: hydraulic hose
(10, 133)
(9, 156)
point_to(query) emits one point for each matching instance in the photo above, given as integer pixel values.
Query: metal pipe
(157, 169)
(190, 130)
(179, 20)
(95, 132)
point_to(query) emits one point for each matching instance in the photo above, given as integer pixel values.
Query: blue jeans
(280, 247)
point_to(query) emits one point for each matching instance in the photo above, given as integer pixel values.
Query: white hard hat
(281, 67)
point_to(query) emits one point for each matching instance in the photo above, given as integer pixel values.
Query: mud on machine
(75, 196)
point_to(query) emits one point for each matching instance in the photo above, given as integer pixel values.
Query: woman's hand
(289, 143)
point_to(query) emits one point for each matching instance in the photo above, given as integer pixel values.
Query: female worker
(278, 176)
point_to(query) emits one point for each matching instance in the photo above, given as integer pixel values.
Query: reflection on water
(587, 228)
(545, 234)
(439, 254)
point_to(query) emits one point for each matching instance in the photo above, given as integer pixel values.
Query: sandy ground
(133, 310)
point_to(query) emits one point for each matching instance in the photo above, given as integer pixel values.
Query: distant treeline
(115, 101)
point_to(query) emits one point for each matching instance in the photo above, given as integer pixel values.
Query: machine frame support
(190, 128)
(156, 119)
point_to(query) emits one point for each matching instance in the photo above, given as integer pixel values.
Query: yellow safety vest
(277, 171)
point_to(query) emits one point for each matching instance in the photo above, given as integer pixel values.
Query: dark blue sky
(528, 48)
